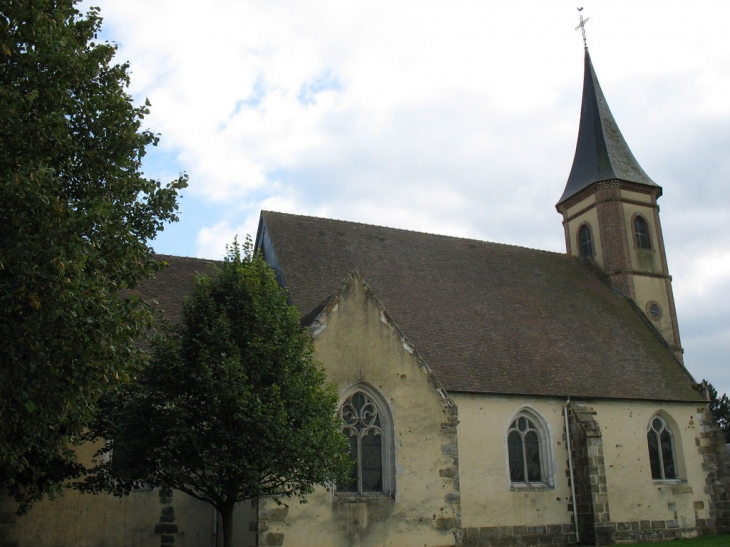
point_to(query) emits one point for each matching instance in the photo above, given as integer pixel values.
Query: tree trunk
(227, 518)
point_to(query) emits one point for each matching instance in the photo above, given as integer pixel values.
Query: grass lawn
(706, 541)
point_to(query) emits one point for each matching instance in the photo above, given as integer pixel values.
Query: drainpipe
(570, 466)
(215, 527)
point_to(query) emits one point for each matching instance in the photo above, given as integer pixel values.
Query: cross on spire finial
(582, 27)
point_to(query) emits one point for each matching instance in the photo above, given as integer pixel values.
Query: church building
(498, 395)
(493, 395)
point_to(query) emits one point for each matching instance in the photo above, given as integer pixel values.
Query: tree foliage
(232, 406)
(76, 216)
(720, 408)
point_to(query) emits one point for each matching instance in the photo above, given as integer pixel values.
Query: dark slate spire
(601, 152)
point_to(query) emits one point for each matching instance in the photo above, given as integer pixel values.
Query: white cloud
(454, 117)
(212, 241)
(707, 273)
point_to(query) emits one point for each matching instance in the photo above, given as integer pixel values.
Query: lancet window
(585, 241)
(661, 450)
(528, 451)
(641, 232)
(523, 444)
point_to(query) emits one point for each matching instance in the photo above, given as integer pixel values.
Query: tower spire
(601, 152)
(611, 216)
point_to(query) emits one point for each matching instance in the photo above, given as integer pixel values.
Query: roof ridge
(176, 257)
(421, 233)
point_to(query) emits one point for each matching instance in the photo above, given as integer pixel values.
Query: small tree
(76, 216)
(232, 406)
(720, 408)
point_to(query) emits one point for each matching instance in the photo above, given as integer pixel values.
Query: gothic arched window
(367, 424)
(523, 443)
(641, 232)
(661, 450)
(585, 241)
(528, 451)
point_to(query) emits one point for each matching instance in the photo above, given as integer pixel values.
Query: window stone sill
(346, 497)
(679, 486)
(529, 487)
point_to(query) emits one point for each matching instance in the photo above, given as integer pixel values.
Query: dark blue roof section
(601, 152)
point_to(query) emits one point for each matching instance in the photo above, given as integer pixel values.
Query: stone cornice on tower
(591, 189)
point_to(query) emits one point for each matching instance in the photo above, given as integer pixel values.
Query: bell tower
(611, 216)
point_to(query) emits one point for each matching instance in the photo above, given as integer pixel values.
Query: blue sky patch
(324, 82)
(254, 100)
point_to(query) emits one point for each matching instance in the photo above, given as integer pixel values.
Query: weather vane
(582, 27)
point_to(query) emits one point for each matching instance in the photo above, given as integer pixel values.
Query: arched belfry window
(367, 423)
(662, 456)
(641, 233)
(528, 451)
(585, 241)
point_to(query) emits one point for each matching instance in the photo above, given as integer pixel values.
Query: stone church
(492, 394)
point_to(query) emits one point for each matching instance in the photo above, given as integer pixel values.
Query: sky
(456, 118)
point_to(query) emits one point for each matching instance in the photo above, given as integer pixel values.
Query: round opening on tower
(654, 310)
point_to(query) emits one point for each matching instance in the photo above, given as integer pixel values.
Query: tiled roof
(486, 317)
(168, 289)
(601, 152)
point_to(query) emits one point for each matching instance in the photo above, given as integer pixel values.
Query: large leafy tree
(232, 406)
(720, 409)
(76, 215)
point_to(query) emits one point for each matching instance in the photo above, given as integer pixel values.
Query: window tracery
(361, 424)
(367, 423)
(662, 456)
(523, 444)
(528, 451)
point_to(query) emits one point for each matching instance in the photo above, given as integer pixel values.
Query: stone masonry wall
(716, 463)
(614, 239)
(589, 471)
(452, 496)
(554, 535)
(166, 527)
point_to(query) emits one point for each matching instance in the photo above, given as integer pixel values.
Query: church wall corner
(716, 462)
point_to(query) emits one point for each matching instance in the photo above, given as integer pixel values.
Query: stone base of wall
(658, 530)
(557, 534)
(519, 536)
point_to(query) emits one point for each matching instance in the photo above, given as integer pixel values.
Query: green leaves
(233, 405)
(76, 215)
(720, 409)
